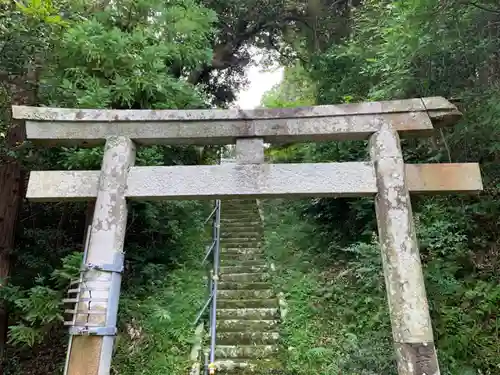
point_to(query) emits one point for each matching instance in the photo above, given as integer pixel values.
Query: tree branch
(485, 8)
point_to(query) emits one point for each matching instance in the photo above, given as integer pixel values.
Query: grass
(337, 321)
(159, 328)
(156, 320)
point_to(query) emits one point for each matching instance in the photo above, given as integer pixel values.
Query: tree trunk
(23, 91)
(11, 194)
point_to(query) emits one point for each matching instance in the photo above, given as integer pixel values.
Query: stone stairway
(247, 308)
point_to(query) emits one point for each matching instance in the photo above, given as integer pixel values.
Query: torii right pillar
(408, 306)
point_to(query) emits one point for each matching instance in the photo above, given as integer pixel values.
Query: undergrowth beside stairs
(156, 332)
(337, 320)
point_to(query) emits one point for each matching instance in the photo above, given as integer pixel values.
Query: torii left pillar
(94, 331)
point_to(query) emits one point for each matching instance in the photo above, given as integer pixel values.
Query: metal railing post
(215, 278)
(213, 252)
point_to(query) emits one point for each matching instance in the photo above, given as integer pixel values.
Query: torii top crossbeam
(411, 117)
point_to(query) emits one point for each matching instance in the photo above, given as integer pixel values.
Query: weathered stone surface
(239, 325)
(246, 338)
(404, 279)
(250, 151)
(245, 263)
(252, 314)
(247, 366)
(445, 177)
(242, 250)
(243, 259)
(235, 243)
(247, 316)
(245, 277)
(105, 115)
(234, 233)
(327, 179)
(245, 351)
(106, 239)
(184, 182)
(228, 270)
(235, 223)
(272, 180)
(417, 359)
(319, 129)
(60, 185)
(246, 293)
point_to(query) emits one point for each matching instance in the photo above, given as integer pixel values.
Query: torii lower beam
(260, 181)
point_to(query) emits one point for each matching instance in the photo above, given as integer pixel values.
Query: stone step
(244, 276)
(238, 202)
(240, 240)
(243, 230)
(239, 262)
(244, 233)
(242, 217)
(237, 213)
(248, 231)
(236, 206)
(242, 257)
(256, 242)
(251, 314)
(243, 325)
(241, 236)
(241, 227)
(240, 213)
(240, 222)
(240, 243)
(244, 366)
(247, 303)
(245, 294)
(241, 250)
(247, 338)
(225, 271)
(244, 202)
(244, 286)
(245, 351)
(229, 207)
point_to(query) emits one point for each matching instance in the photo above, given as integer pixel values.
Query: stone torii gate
(386, 177)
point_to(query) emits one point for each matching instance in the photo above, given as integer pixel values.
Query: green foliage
(295, 91)
(337, 320)
(118, 57)
(157, 323)
(44, 11)
(402, 49)
(40, 307)
(127, 55)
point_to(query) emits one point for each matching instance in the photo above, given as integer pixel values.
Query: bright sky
(260, 82)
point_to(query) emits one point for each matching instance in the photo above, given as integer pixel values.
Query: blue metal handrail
(214, 285)
(213, 252)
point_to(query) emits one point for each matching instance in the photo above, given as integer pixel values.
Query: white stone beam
(320, 123)
(267, 180)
